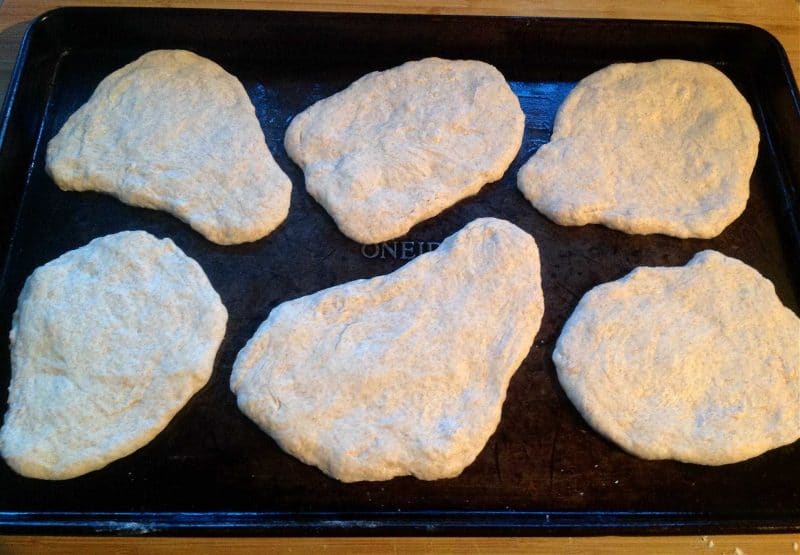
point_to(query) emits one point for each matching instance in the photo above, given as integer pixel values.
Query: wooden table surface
(779, 17)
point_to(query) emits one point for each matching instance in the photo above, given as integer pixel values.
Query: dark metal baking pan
(544, 471)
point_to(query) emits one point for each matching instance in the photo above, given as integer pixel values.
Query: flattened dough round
(659, 147)
(108, 342)
(400, 374)
(699, 363)
(399, 146)
(174, 131)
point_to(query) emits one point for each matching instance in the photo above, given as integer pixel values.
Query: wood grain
(776, 544)
(779, 17)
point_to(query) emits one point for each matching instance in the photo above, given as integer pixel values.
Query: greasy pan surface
(544, 470)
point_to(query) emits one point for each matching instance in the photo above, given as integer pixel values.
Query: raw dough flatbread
(175, 132)
(108, 342)
(659, 147)
(699, 363)
(399, 146)
(400, 374)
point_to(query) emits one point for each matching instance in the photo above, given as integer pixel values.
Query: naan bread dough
(699, 363)
(399, 146)
(108, 342)
(660, 147)
(400, 374)
(175, 132)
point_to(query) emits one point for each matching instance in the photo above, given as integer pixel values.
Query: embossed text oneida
(403, 250)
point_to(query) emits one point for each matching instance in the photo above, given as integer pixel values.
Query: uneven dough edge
(389, 230)
(702, 225)
(600, 414)
(61, 159)
(252, 356)
(33, 469)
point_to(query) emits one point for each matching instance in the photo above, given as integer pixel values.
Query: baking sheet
(544, 470)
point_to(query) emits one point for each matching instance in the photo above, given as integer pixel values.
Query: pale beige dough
(174, 131)
(108, 342)
(399, 146)
(699, 363)
(400, 374)
(659, 147)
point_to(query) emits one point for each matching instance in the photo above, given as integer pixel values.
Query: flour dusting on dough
(659, 147)
(699, 363)
(399, 146)
(108, 342)
(400, 374)
(174, 131)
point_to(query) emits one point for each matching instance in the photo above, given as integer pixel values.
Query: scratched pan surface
(544, 470)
